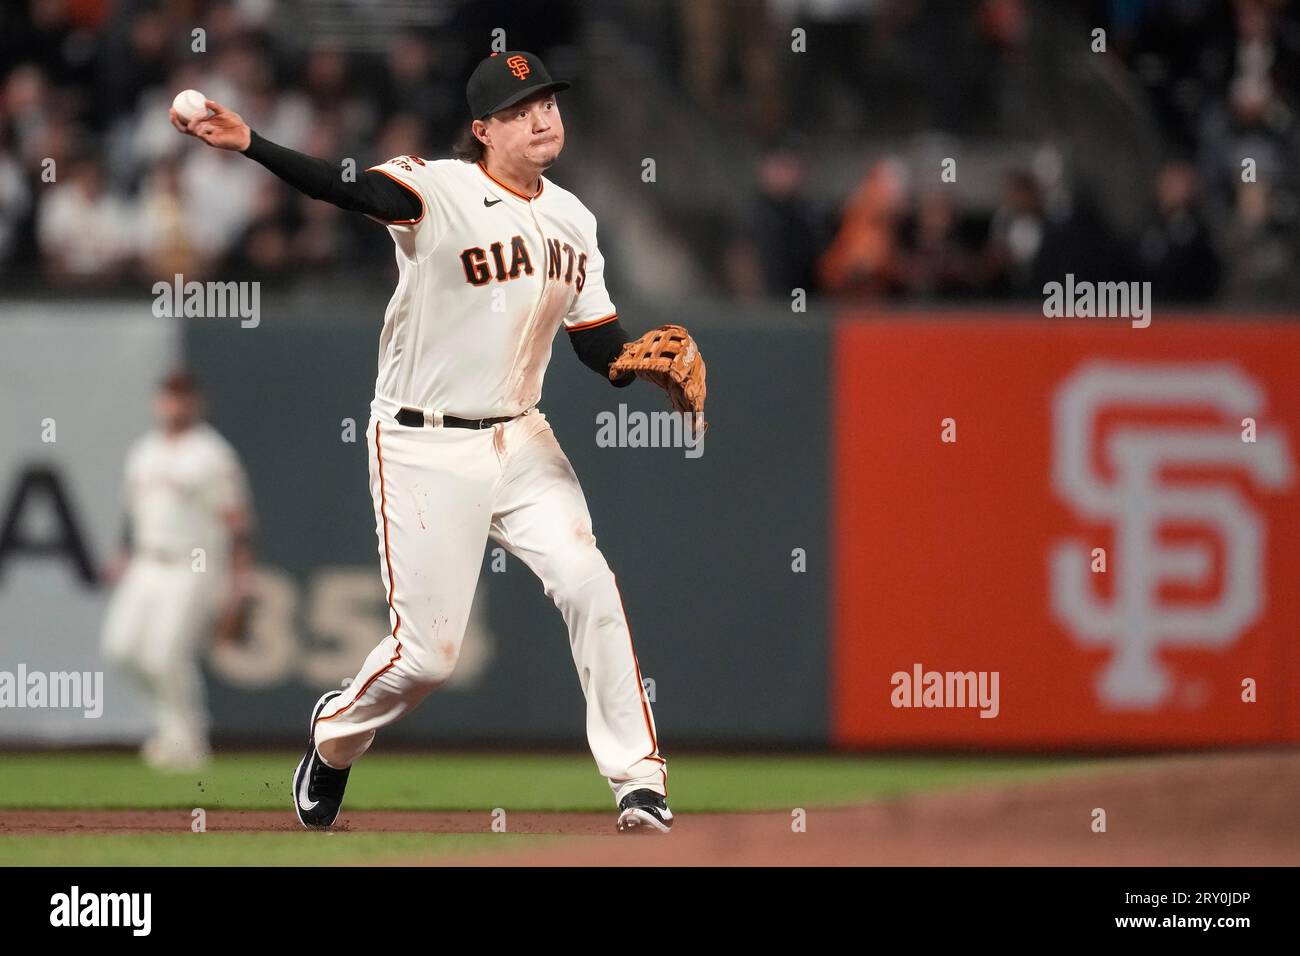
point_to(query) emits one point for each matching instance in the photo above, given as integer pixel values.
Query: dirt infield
(1240, 810)
(1236, 810)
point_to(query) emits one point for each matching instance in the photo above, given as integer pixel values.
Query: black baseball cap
(503, 79)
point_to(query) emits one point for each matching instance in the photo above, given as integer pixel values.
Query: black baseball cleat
(644, 811)
(318, 788)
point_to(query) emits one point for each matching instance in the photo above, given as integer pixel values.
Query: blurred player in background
(184, 571)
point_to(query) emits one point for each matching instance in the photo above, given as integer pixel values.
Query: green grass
(260, 781)
(251, 849)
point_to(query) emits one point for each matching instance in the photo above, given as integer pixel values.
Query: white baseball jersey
(486, 276)
(180, 489)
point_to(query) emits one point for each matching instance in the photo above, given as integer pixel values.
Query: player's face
(176, 411)
(531, 131)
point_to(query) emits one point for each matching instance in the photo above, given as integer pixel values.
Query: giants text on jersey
(486, 276)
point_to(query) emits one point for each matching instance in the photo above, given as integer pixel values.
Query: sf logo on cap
(519, 66)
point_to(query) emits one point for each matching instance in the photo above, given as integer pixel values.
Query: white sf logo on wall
(1138, 500)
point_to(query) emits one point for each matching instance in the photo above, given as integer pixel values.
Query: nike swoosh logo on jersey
(491, 203)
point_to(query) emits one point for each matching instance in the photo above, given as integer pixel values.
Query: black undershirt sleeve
(597, 347)
(373, 193)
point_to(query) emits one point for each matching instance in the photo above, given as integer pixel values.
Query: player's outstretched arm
(373, 194)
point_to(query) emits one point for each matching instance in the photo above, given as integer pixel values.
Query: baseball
(189, 104)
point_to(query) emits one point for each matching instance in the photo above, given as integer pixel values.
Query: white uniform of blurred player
(185, 570)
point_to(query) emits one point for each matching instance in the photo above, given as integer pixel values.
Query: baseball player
(184, 571)
(493, 258)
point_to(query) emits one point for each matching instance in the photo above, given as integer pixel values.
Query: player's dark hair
(468, 148)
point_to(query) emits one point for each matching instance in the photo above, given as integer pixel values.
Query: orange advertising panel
(1056, 533)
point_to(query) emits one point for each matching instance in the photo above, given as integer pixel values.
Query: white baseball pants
(158, 622)
(439, 494)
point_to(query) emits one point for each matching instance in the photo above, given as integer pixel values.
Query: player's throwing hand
(224, 129)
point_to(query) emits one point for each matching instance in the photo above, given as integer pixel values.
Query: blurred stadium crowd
(777, 170)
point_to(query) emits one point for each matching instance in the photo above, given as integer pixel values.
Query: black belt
(414, 418)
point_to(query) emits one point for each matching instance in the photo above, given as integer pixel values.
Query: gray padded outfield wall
(76, 381)
(733, 639)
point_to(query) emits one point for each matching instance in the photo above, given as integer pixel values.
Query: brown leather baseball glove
(668, 357)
